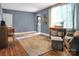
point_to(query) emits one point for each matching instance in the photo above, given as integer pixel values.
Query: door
(38, 24)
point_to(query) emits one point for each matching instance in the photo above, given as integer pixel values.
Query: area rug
(36, 45)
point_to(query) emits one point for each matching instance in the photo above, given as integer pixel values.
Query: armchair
(71, 41)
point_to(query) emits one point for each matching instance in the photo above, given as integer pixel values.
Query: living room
(39, 29)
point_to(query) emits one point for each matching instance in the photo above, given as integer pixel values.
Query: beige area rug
(36, 45)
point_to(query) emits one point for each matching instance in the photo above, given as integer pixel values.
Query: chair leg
(13, 40)
(8, 44)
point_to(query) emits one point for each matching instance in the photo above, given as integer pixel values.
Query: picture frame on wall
(45, 19)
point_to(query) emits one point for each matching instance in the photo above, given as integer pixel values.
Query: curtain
(62, 16)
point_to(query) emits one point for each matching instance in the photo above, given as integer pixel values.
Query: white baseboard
(45, 34)
(20, 33)
(30, 35)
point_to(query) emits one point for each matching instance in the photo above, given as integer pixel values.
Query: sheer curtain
(62, 16)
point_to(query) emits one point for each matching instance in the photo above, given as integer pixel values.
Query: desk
(11, 30)
(4, 34)
(57, 39)
(58, 29)
(3, 37)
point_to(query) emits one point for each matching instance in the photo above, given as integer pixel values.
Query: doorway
(38, 24)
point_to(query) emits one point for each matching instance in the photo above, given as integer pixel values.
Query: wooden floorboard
(57, 53)
(18, 50)
(12, 50)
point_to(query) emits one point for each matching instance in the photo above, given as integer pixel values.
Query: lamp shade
(3, 23)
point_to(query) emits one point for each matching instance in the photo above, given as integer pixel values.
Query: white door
(39, 24)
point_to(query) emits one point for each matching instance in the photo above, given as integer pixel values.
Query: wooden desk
(4, 34)
(59, 29)
(57, 41)
(11, 30)
(3, 37)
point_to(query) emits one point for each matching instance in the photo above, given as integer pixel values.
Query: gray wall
(44, 27)
(77, 16)
(0, 8)
(26, 21)
(0, 11)
(22, 21)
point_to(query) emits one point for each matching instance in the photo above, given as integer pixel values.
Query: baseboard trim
(20, 33)
(45, 34)
(31, 35)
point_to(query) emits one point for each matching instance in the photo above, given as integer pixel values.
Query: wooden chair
(11, 34)
(71, 41)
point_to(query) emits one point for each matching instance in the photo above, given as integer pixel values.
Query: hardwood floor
(57, 53)
(18, 50)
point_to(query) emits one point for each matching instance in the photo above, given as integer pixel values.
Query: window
(62, 16)
(8, 19)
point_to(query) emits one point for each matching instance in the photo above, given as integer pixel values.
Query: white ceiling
(28, 7)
